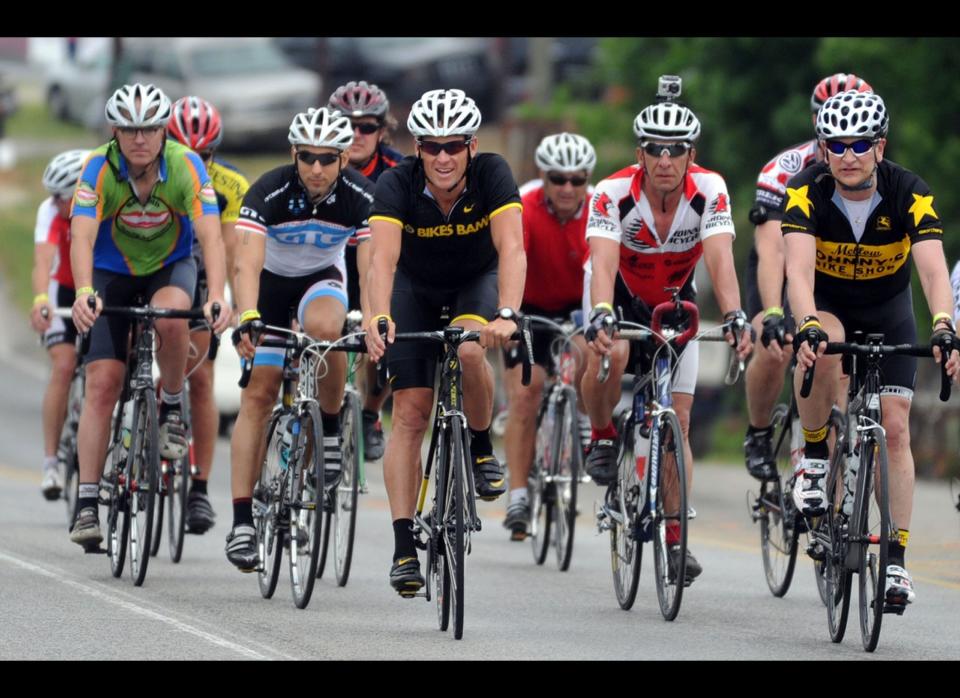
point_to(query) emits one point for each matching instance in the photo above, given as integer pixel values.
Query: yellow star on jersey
(799, 198)
(922, 206)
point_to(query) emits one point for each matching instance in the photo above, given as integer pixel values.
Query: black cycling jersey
(446, 251)
(876, 268)
(303, 236)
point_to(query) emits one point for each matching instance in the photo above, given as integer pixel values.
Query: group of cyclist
(350, 223)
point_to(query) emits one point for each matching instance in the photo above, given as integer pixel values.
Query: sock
(480, 443)
(518, 495)
(87, 496)
(673, 533)
(815, 445)
(762, 431)
(243, 511)
(50, 463)
(169, 401)
(199, 486)
(331, 423)
(897, 547)
(607, 432)
(403, 545)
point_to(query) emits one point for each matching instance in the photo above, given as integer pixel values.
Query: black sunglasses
(133, 130)
(324, 159)
(452, 148)
(674, 150)
(560, 180)
(366, 128)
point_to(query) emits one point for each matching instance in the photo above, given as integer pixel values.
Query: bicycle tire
(144, 470)
(118, 518)
(672, 472)
(71, 486)
(436, 558)
(778, 529)
(454, 525)
(306, 505)
(348, 491)
(838, 424)
(873, 517)
(157, 536)
(266, 507)
(626, 550)
(68, 446)
(566, 477)
(180, 481)
(540, 490)
(325, 543)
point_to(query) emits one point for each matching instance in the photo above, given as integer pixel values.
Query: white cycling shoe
(899, 591)
(808, 490)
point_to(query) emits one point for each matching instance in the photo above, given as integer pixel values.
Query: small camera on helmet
(669, 87)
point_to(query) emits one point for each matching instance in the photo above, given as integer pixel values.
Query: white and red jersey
(620, 211)
(53, 229)
(555, 253)
(772, 182)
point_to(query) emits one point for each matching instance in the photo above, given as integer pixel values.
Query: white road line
(136, 607)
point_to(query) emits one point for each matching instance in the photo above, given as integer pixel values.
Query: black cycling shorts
(895, 320)
(109, 337)
(353, 276)
(417, 308)
(543, 336)
(62, 330)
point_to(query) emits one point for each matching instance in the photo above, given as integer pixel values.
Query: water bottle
(126, 426)
(286, 441)
(850, 481)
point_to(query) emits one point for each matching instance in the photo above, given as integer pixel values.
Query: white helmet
(323, 128)
(565, 152)
(666, 121)
(442, 113)
(853, 114)
(64, 170)
(122, 110)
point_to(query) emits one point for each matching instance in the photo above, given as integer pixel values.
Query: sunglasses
(452, 148)
(559, 180)
(859, 148)
(134, 130)
(366, 128)
(206, 155)
(324, 159)
(657, 150)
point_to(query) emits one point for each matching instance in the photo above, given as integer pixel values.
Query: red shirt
(555, 254)
(55, 230)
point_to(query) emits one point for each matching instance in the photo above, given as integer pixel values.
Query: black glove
(774, 329)
(253, 328)
(599, 321)
(944, 337)
(810, 332)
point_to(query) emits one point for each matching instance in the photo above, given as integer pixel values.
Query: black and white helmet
(667, 121)
(323, 128)
(440, 113)
(60, 177)
(360, 99)
(565, 152)
(122, 110)
(853, 114)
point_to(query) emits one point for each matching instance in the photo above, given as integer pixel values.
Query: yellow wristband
(942, 316)
(375, 318)
(248, 315)
(773, 310)
(86, 290)
(40, 298)
(810, 323)
(605, 306)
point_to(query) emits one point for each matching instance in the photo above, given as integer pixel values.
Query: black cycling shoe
(242, 548)
(758, 455)
(488, 478)
(602, 461)
(405, 576)
(200, 516)
(693, 568)
(518, 519)
(372, 437)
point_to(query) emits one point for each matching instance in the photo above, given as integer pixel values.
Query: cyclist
(294, 224)
(851, 225)
(196, 124)
(649, 224)
(139, 200)
(53, 286)
(367, 106)
(765, 283)
(447, 231)
(554, 229)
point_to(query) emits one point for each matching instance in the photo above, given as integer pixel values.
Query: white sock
(518, 495)
(172, 399)
(50, 463)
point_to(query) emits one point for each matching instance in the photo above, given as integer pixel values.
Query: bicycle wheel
(305, 503)
(439, 583)
(670, 519)
(566, 476)
(267, 499)
(118, 517)
(178, 482)
(328, 505)
(778, 518)
(157, 535)
(71, 485)
(67, 450)
(873, 517)
(345, 503)
(540, 490)
(454, 524)
(626, 548)
(144, 469)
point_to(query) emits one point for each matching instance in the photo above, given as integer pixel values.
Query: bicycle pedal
(94, 549)
(519, 535)
(896, 609)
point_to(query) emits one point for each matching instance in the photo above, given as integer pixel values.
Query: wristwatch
(507, 314)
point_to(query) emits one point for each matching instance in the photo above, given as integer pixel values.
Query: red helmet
(834, 85)
(195, 123)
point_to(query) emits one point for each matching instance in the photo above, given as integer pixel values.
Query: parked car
(255, 87)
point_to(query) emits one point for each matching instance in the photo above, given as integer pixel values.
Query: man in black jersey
(851, 225)
(446, 228)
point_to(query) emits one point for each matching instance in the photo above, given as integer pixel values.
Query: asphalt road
(58, 603)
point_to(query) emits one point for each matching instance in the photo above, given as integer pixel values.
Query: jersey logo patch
(602, 205)
(799, 199)
(86, 196)
(468, 209)
(922, 206)
(720, 204)
(883, 223)
(791, 162)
